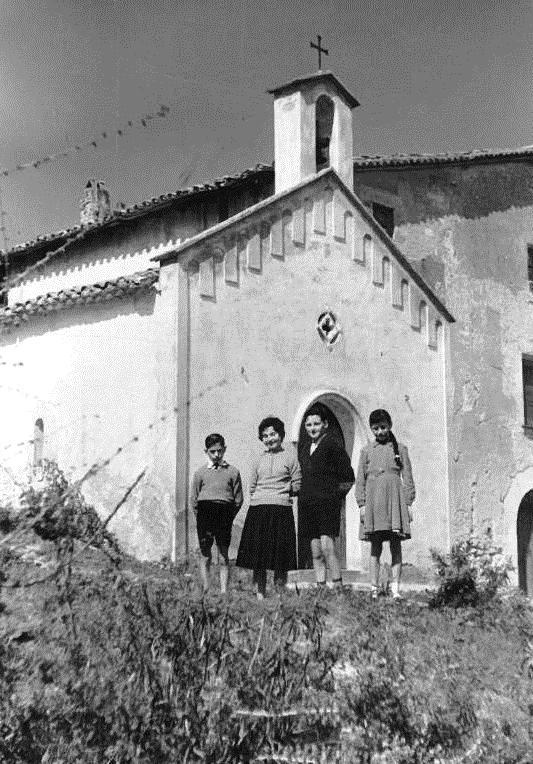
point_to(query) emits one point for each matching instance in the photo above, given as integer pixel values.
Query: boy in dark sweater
(216, 497)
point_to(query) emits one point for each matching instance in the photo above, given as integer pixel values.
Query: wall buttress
(298, 226)
(276, 240)
(207, 277)
(254, 251)
(231, 265)
(396, 286)
(319, 215)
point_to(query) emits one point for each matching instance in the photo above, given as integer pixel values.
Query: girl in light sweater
(268, 540)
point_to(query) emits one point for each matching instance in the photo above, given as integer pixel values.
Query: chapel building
(401, 282)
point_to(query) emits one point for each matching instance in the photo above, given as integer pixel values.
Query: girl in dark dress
(268, 540)
(327, 476)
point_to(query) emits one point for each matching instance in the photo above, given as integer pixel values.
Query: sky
(430, 76)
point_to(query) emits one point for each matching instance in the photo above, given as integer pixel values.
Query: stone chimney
(95, 206)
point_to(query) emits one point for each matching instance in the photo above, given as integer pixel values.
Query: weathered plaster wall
(476, 221)
(255, 350)
(99, 376)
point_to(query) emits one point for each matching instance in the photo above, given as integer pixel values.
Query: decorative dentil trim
(271, 235)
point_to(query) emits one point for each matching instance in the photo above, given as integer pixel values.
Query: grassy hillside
(105, 660)
(125, 662)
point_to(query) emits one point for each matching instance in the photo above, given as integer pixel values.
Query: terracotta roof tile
(101, 291)
(365, 161)
(149, 204)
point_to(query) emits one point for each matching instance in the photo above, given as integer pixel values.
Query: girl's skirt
(268, 539)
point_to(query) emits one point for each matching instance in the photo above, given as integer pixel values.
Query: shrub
(8, 520)
(57, 511)
(473, 572)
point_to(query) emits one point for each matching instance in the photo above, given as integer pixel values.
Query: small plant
(58, 512)
(8, 520)
(473, 572)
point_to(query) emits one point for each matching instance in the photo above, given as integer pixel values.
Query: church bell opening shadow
(524, 534)
(304, 558)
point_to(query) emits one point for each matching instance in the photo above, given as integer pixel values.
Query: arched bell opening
(325, 111)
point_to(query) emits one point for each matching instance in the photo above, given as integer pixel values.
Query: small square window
(384, 216)
(527, 381)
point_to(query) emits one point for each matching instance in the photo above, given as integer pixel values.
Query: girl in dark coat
(327, 476)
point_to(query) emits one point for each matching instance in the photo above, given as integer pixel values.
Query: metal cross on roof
(320, 50)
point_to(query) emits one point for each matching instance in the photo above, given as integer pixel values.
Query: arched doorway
(346, 426)
(524, 537)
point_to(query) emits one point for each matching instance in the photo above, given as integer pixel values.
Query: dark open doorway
(524, 537)
(304, 443)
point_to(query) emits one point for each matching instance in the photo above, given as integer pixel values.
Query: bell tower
(312, 129)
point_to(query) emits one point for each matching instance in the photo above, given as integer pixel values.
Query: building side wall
(101, 379)
(475, 223)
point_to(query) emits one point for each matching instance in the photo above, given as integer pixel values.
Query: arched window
(324, 126)
(38, 442)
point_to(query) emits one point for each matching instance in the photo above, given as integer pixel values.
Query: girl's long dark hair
(382, 415)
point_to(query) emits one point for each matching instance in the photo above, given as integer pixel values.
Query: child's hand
(362, 513)
(344, 488)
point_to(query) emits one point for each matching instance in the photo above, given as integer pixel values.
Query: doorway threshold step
(359, 579)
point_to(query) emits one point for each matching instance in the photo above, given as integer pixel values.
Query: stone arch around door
(524, 543)
(348, 423)
(507, 527)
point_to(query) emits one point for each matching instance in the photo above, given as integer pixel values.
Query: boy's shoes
(374, 593)
(395, 590)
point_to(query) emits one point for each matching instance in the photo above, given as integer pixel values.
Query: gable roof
(149, 205)
(369, 161)
(320, 76)
(209, 233)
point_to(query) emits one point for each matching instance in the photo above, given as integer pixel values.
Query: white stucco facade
(256, 287)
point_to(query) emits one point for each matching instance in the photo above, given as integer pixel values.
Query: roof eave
(416, 161)
(320, 75)
(144, 208)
